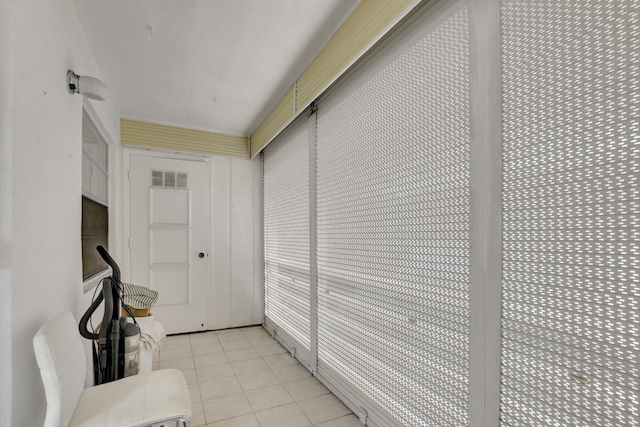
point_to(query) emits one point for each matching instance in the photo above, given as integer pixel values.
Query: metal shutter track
(287, 244)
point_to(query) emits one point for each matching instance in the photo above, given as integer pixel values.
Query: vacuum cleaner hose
(82, 326)
(108, 297)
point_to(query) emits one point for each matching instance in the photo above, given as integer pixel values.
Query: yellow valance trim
(367, 23)
(144, 134)
(279, 117)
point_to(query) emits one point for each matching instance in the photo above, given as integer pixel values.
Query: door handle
(201, 255)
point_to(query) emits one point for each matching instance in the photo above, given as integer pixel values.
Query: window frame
(87, 192)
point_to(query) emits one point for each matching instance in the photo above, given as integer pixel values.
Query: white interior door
(169, 214)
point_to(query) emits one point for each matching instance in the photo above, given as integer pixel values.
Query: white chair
(158, 398)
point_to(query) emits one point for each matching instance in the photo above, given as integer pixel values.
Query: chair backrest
(62, 361)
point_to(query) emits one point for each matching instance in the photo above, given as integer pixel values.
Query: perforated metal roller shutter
(286, 232)
(393, 214)
(571, 207)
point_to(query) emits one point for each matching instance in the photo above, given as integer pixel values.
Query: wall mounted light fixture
(88, 86)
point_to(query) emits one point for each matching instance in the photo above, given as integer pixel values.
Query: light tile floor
(245, 378)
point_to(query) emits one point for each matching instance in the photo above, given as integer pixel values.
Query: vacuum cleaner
(116, 346)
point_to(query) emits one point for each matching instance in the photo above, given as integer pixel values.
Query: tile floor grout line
(260, 337)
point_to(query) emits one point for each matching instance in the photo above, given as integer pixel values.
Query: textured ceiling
(217, 65)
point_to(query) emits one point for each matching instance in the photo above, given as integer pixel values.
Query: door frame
(127, 153)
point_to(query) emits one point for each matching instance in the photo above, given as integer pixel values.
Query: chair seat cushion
(133, 401)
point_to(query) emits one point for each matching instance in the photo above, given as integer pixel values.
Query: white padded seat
(133, 401)
(153, 398)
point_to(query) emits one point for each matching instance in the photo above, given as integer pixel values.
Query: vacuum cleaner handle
(107, 258)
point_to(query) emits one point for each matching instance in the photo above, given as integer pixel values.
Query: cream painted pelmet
(164, 137)
(275, 121)
(366, 25)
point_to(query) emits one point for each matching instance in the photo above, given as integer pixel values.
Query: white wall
(7, 19)
(42, 243)
(237, 291)
(46, 143)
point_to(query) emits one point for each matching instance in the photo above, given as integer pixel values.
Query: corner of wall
(258, 256)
